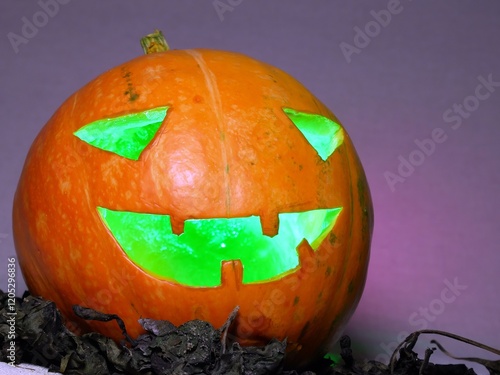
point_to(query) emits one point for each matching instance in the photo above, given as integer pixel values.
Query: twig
(492, 366)
(225, 327)
(90, 314)
(425, 362)
(412, 339)
(410, 342)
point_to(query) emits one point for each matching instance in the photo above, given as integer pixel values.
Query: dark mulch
(192, 348)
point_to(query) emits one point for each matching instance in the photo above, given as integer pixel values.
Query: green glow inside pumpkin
(194, 257)
(126, 135)
(323, 134)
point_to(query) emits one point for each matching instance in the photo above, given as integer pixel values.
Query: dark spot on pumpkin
(301, 167)
(367, 215)
(304, 330)
(132, 95)
(332, 238)
(320, 296)
(272, 78)
(134, 308)
(328, 271)
(350, 287)
(198, 99)
(199, 313)
(82, 149)
(296, 300)
(130, 92)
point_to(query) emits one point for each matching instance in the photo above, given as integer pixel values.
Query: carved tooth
(232, 274)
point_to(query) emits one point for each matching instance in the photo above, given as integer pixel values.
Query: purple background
(440, 224)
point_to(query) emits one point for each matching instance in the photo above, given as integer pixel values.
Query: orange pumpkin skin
(225, 110)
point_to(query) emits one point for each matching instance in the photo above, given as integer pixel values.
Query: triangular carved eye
(126, 135)
(323, 134)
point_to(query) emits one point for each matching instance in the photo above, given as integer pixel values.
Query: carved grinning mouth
(194, 257)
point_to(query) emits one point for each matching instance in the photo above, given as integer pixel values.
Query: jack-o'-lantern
(187, 182)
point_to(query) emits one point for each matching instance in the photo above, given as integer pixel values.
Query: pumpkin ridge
(213, 89)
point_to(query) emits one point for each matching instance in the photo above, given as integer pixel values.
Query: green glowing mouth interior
(322, 133)
(126, 135)
(194, 257)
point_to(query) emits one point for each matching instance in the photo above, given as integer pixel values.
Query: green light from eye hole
(126, 135)
(194, 257)
(334, 358)
(323, 134)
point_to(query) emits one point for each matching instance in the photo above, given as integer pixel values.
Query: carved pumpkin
(184, 183)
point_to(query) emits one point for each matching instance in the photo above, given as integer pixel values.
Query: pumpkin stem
(154, 42)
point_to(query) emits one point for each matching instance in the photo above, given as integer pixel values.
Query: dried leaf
(195, 347)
